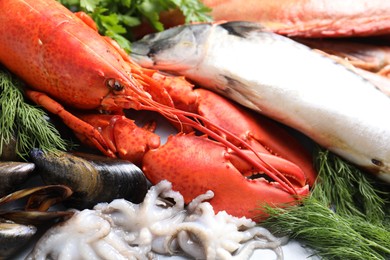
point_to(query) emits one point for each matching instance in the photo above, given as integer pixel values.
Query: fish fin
(236, 90)
(241, 28)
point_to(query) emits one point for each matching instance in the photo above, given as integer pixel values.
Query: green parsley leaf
(89, 5)
(117, 18)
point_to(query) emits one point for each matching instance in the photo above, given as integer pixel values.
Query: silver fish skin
(282, 79)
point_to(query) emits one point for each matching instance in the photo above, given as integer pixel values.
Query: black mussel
(37, 217)
(38, 200)
(92, 178)
(13, 174)
(14, 236)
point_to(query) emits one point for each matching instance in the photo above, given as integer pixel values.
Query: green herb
(350, 190)
(116, 18)
(24, 121)
(344, 217)
(331, 235)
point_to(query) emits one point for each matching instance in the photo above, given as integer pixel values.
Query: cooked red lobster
(69, 67)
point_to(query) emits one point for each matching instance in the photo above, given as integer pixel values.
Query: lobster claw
(195, 164)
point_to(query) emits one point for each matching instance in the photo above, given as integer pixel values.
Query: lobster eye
(114, 84)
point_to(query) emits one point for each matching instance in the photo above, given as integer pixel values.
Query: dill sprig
(347, 188)
(23, 121)
(345, 217)
(331, 235)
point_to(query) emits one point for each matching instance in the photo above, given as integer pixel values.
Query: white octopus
(206, 235)
(159, 225)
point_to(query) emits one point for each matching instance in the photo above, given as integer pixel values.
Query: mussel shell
(14, 236)
(92, 178)
(36, 217)
(38, 201)
(13, 174)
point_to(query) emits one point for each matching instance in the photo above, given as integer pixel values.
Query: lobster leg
(127, 140)
(113, 135)
(87, 20)
(77, 125)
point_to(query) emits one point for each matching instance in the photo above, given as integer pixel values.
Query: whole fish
(282, 79)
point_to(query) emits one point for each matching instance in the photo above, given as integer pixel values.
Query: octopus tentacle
(157, 225)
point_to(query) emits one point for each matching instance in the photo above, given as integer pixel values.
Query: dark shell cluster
(70, 180)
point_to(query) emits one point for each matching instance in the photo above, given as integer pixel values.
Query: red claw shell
(201, 164)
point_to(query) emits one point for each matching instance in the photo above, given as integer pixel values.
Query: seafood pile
(303, 96)
(231, 154)
(77, 181)
(60, 46)
(123, 230)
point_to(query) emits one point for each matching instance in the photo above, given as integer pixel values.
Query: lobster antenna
(185, 117)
